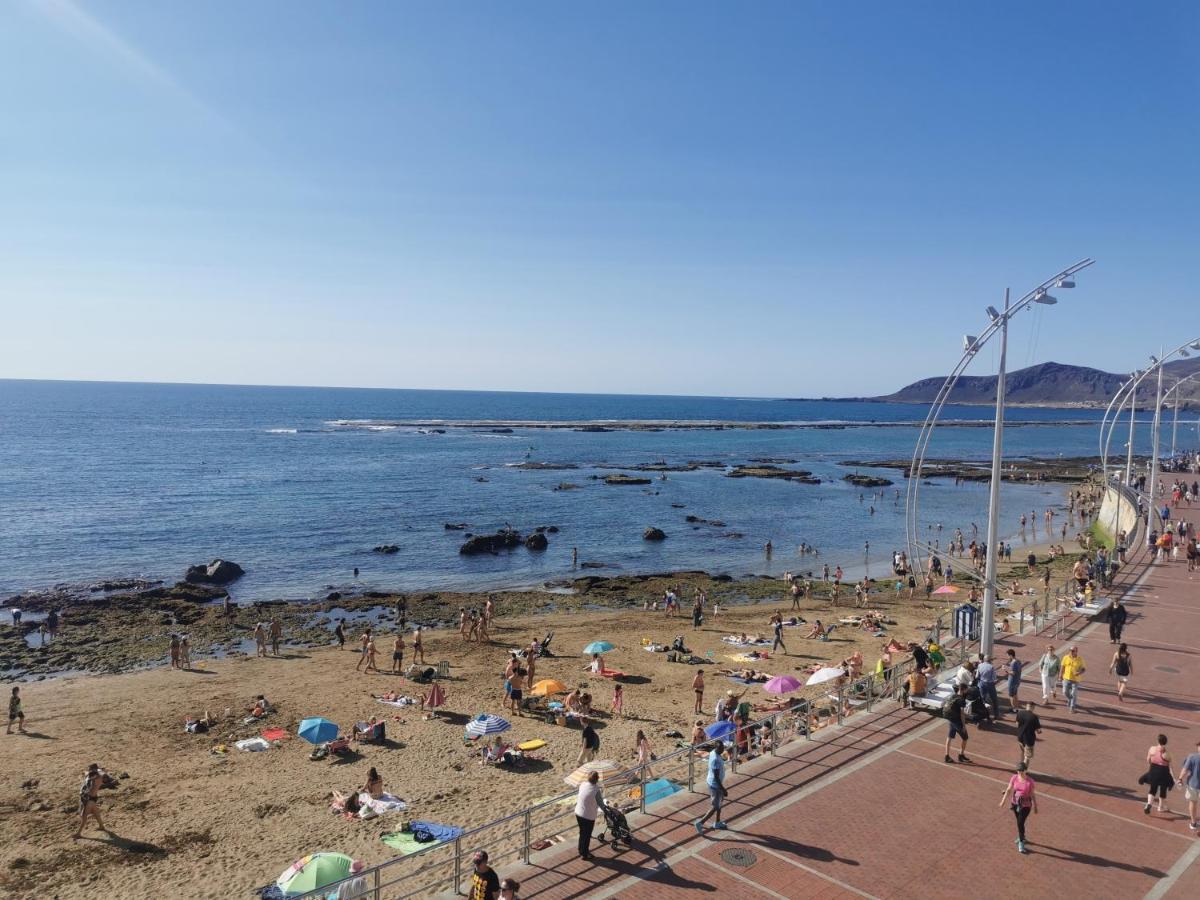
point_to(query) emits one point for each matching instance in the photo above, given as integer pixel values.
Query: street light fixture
(999, 323)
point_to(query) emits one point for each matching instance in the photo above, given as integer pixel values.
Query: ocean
(112, 480)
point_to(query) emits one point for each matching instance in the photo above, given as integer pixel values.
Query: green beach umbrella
(597, 647)
(312, 872)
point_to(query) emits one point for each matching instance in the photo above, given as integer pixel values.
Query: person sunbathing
(817, 630)
(374, 785)
(347, 803)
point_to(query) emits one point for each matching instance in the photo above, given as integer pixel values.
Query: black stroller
(616, 827)
(977, 711)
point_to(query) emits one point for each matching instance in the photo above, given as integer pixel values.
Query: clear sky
(775, 199)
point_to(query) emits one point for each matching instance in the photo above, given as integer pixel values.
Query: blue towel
(659, 789)
(439, 832)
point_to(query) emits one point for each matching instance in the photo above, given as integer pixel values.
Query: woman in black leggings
(1024, 801)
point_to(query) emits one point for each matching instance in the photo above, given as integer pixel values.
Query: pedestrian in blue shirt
(716, 787)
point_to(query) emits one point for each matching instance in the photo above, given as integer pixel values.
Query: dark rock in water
(551, 529)
(566, 486)
(481, 479)
(545, 466)
(722, 577)
(437, 430)
(654, 534)
(127, 584)
(763, 470)
(334, 595)
(460, 526)
(266, 604)
(774, 460)
(867, 480)
(490, 543)
(536, 541)
(219, 571)
(376, 595)
(386, 548)
(677, 506)
(541, 529)
(625, 479)
(594, 429)
(182, 590)
(735, 535)
(592, 565)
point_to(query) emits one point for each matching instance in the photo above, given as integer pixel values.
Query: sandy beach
(210, 825)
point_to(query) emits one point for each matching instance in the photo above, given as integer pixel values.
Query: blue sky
(776, 199)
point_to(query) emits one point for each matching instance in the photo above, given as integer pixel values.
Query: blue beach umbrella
(317, 730)
(483, 725)
(718, 731)
(597, 647)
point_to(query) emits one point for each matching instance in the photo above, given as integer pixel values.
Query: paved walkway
(871, 810)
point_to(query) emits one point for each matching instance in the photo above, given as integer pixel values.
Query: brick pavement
(871, 810)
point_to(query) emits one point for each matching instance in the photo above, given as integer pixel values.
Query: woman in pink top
(1024, 801)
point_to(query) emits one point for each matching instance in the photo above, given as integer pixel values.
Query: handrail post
(808, 725)
(774, 732)
(458, 866)
(692, 768)
(839, 705)
(528, 829)
(870, 692)
(642, 790)
(377, 897)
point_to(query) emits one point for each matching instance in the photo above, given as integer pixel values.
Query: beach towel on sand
(399, 704)
(370, 808)
(439, 832)
(659, 789)
(404, 843)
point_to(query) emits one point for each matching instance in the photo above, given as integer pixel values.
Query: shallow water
(118, 480)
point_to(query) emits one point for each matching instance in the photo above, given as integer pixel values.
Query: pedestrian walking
(1117, 616)
(1158, 778)
(1024, 801)
(1072, 669)
(955, 711)
(485, 883)
(276, 636)
(1048, 667)
(777, 624)
(716, 788)
(1013, 667)
(509, 888)
(15, 712)
(587, 810)
(590, 745)
(1029, 726)
(1189, 777)
(339, 632)
(1122, 667)
(89, 799)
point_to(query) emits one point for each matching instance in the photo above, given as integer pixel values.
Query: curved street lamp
(971, 346)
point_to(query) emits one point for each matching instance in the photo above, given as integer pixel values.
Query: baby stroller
(616, 827)
(977, 711)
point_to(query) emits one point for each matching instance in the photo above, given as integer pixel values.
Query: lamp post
(1154, 438)
(1174, 389)
(993, 529)
(971, 347)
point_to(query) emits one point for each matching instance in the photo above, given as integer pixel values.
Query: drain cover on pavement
(736, 856)
(1171, 669)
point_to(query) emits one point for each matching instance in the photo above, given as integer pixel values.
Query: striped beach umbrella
(484, 725)
(606, 768)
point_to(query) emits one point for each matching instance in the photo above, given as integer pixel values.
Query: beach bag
(421, 836)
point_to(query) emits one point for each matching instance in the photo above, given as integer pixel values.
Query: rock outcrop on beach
(536, 541)
(768, 471)
(490, 543)
(654, 534)
(219, 571)
(387, 549)
(456, 526)
(867, 480)
(623, 479)
(545, 466)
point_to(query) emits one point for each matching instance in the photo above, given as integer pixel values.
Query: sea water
(106, 480)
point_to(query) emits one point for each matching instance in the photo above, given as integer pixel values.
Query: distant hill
(1046, 384)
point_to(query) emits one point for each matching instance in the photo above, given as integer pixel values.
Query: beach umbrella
(436, 698)
(313, 872)
(822, 675)
(606, 768)
(548, 686)
(317, 730)
(483, 725)
(718, 731)
(782, 684)
(947, 589)
(597, 647)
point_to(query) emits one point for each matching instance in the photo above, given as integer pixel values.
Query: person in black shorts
(1028, 726)
(955, 716)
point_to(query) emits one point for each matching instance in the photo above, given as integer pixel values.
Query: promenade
(872, 810)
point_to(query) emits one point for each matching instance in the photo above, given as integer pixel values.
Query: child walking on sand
(618, 702)
(15, 712)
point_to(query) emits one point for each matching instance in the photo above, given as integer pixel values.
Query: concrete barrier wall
(1118, 512)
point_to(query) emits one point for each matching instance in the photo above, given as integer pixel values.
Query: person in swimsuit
(174, 651)
(276, 636)
(15, 712)
(398, 653)
(698, 690)
(374, 785)
(363, 642)
(518, 690)
(89, 799)
(418, 649)
(339, 632)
